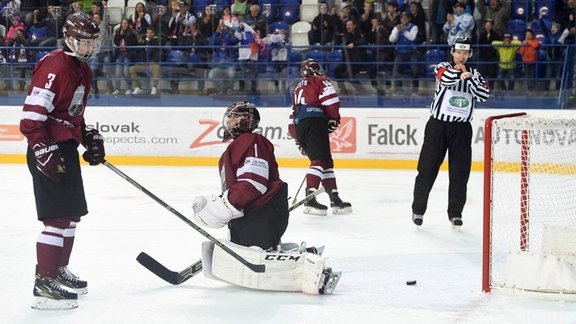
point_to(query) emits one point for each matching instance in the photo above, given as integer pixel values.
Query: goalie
(254, 206)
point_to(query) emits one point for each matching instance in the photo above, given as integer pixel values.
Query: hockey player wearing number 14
(458, 87)
(315, 113)
(254, 207)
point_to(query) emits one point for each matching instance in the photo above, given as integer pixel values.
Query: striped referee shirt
(448, 78)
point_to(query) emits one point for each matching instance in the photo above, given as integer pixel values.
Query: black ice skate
(456, 222)
(313, 207)
(417, 219)
(69, 280)
(338, 206)
(49, 295)
(329, 281)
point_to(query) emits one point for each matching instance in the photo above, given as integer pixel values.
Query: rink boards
(367, 137)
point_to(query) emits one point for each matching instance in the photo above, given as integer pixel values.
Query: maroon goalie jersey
(249, 170)
(316, 92)
(54, 107)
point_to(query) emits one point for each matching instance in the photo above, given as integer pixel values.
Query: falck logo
(343, 140)
(459, 102)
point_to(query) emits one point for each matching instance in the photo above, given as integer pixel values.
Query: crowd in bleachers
(228, 46)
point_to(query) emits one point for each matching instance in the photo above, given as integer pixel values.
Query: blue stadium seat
(333, 59)
(516, 27)
(547, 6)
(521, 9)
(316, 55)
(39, 55)
(38, 32)
(289, 13)
(279, 25)
(537, 28)
(432, 58)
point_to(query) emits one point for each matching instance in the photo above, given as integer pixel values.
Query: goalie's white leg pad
(207, 252)
(43, 303)
(284, 271)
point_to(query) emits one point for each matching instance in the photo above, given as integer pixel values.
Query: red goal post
(529, 226)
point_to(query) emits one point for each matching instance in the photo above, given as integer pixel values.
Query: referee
(458, 85)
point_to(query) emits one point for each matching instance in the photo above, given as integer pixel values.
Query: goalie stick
(166, 274)
(251, 266)
(177, 278)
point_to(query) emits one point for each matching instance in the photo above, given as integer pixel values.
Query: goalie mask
(463, 44)
(240, 117)
(310, 67)
(82, 35)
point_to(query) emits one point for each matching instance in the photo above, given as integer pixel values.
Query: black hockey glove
(333, 125)
(48, 160)
(94, 144)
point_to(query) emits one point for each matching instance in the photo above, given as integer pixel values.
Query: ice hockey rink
(376, 247)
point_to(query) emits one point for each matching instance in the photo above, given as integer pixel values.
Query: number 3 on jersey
(51, 77)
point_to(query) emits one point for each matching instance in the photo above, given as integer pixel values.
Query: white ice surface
(377, 248)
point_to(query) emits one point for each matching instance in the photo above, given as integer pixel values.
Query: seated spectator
(403, 36)
(17, 24)
(322, 27)
(140, 20)
(459, 24)
(507, 60)
(498, 11)
(529, 52)
(125, 40)
(160, 22)
(208, 22)
(148, 63)
(255, 18)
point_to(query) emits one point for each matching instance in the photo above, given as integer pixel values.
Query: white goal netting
(532, 205)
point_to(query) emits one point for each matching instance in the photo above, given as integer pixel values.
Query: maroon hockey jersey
(248, 169)
(54, 107)
(317, 91)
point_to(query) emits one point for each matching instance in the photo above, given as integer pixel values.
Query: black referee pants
(439, 137)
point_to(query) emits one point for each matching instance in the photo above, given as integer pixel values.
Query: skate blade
(44, 303)
(456, 228)
(314, 211)
(344, 210)
(332, 282)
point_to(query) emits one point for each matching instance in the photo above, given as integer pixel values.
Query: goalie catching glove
(48, 160)
(214, 211)
(94, 144)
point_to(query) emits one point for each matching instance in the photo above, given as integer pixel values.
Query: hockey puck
(411, 282)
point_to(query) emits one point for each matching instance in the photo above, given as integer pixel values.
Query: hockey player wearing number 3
(458, 87)
(53, 122)
(315, 112)
(254, 206)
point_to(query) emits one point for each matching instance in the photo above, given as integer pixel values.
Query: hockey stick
(251, 266)
(299, 188)
(166, 274)
(177, 278)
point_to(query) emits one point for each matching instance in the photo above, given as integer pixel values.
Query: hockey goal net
(530, 205)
